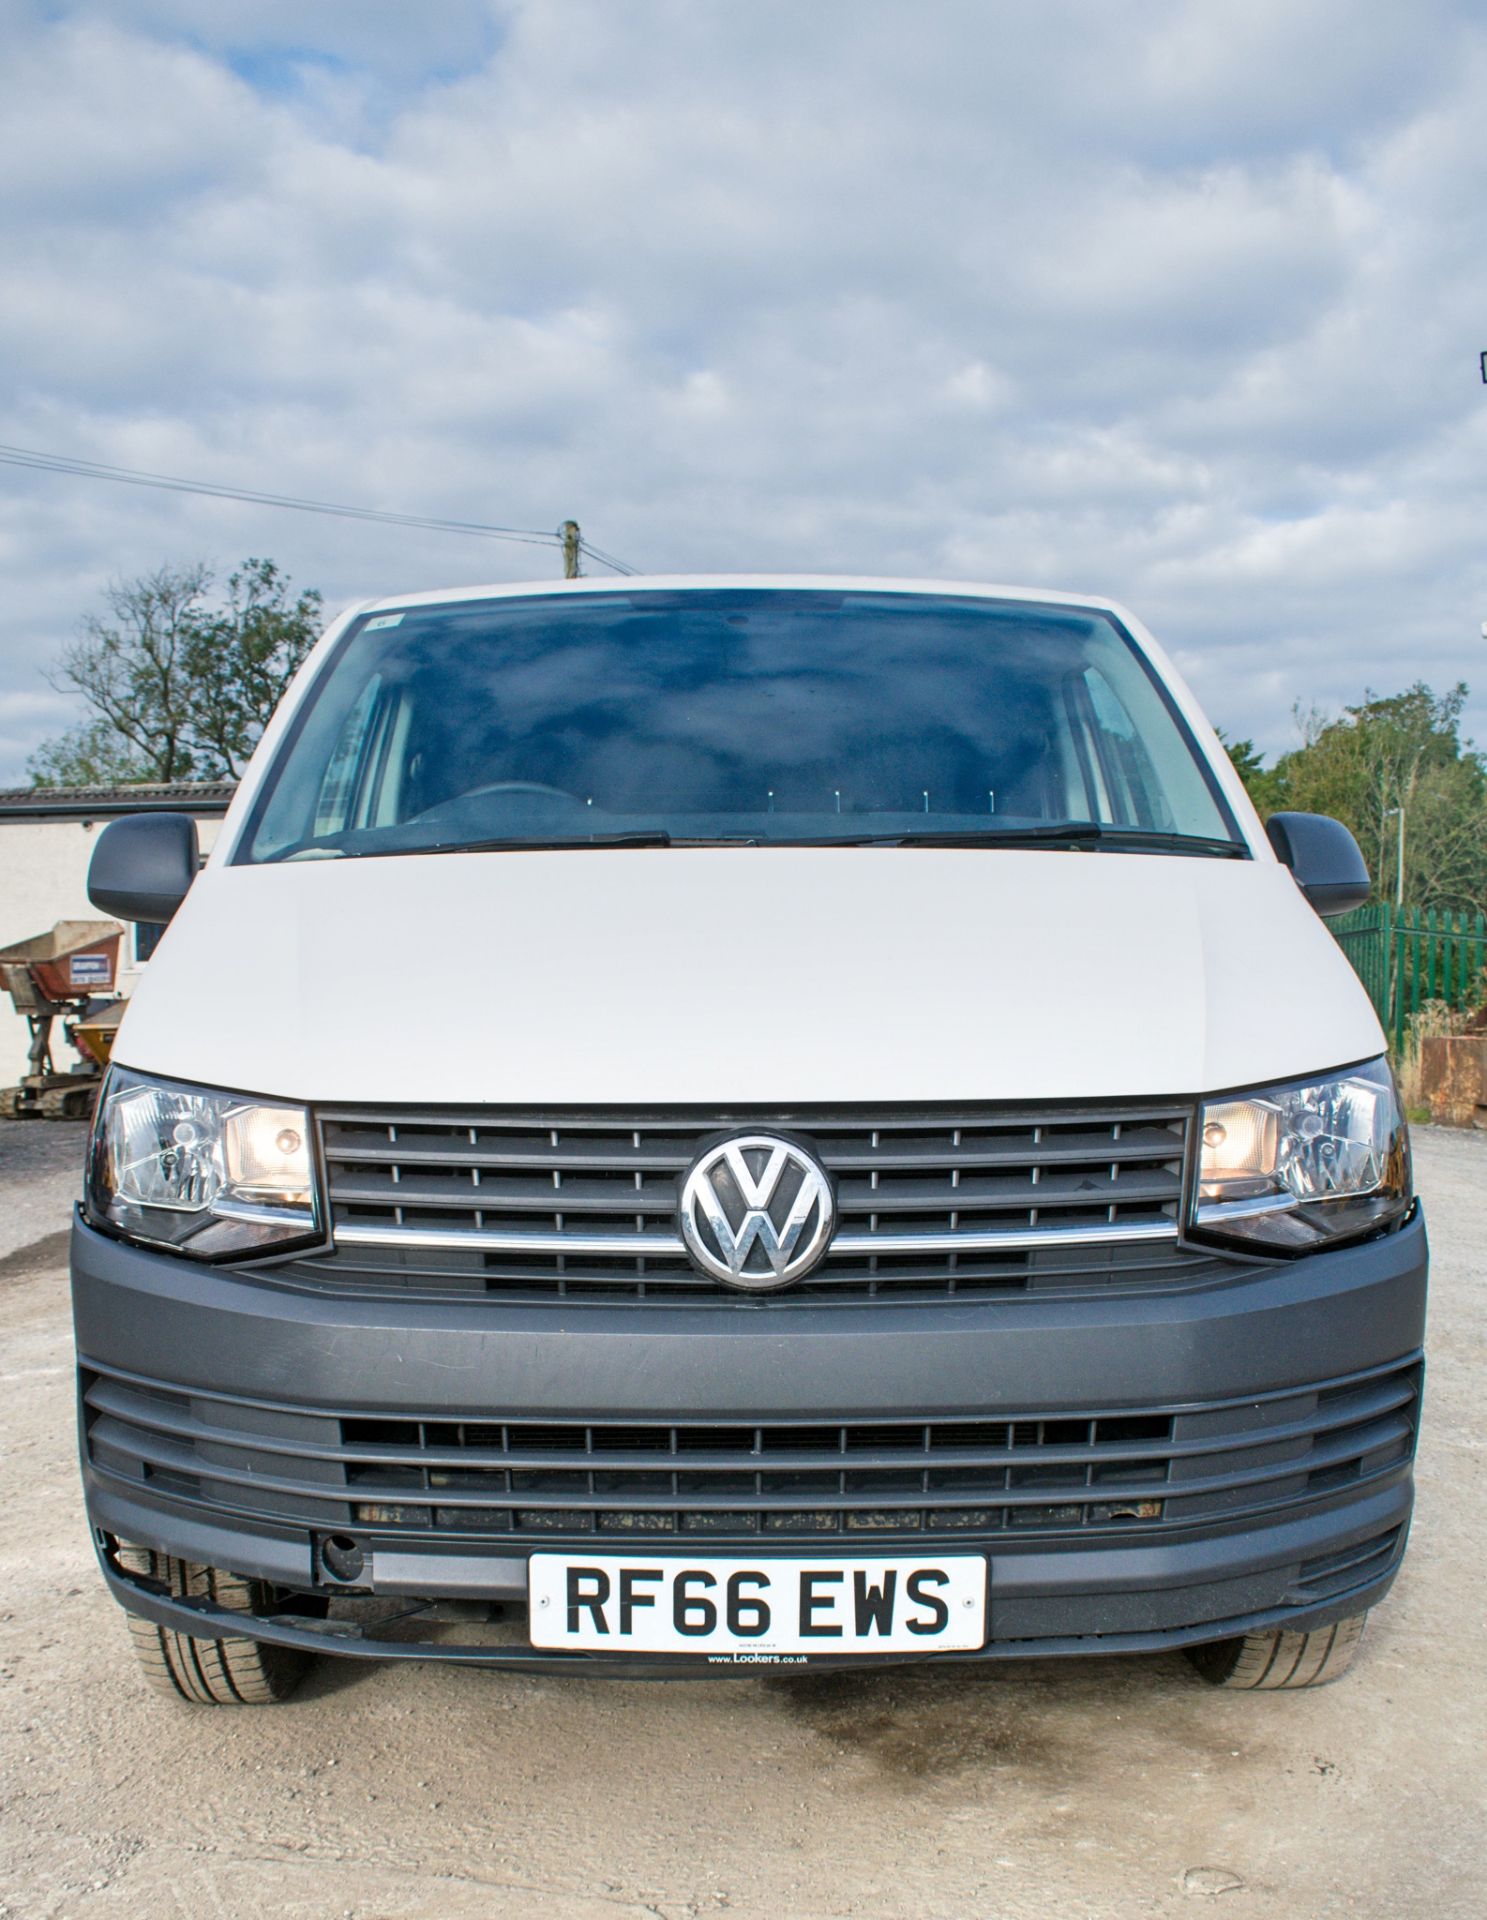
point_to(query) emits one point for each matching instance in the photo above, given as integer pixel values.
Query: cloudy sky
(1179, 300)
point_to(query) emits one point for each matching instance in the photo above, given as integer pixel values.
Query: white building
(47, 836)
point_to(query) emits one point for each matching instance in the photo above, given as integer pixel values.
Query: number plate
(752, 1609)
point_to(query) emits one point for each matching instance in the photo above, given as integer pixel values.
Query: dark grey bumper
(1262, 1331)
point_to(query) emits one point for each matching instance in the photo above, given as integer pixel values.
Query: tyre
(1257, 1661)
(236, 1672)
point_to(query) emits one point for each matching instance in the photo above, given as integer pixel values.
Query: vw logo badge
(757, 1212)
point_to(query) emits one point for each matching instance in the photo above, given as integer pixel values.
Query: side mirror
(143, 866)
(1324, 858)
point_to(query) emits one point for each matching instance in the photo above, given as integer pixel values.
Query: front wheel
(1265, 1661)
(236, 1672)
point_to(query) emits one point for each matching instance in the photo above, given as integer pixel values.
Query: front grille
(583, 1205)
(527, 1482)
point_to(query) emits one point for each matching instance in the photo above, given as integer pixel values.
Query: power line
(606, 559)
(30, 457)
(128, 476)
(131, 476)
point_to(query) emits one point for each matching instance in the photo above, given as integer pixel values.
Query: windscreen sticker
(384, 620)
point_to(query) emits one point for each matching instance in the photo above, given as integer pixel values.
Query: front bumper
(1263, 1516)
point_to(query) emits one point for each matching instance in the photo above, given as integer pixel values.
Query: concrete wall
(43, 879)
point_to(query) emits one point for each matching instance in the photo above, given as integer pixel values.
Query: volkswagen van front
(764, 1122)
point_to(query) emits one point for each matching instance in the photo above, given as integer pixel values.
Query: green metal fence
(1405, 956)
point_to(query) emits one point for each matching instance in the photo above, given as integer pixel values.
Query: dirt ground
(1114, 1787)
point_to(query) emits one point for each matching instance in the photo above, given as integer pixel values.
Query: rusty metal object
(1453, 1076)
(93, 1035)
(50, 976)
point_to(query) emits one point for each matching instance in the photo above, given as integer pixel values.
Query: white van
(692, 1123)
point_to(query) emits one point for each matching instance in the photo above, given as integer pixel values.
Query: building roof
(101, 803)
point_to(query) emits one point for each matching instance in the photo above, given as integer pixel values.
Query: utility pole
(1394, 950)
(1399, 861)
(570, 536)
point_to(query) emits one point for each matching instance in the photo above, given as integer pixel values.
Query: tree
(179, 688)
(238, 664)
(1404, 750)
(89, 755)
(1260, 781)
(129, 667)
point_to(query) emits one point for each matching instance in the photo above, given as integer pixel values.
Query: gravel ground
(41, 1170)
(1085, 1790)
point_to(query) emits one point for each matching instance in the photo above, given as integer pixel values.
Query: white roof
(796, 582)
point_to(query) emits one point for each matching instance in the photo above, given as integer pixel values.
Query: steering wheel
(521, 786)
(539, 789)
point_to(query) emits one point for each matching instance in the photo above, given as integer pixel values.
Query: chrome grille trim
(669, 1246)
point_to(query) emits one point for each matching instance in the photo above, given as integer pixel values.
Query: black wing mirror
(143, 866)
(1324, 858)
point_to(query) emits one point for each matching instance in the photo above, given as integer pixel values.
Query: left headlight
(205, 1173)
(1290, 1169)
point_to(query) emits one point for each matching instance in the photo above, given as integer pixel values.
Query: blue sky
(1180, 302)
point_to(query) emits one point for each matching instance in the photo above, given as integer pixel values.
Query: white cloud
(1178, 299)
(380, 36)
(24, 718)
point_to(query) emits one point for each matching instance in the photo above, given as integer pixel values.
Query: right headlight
(214, 1175)
(1291, 1169)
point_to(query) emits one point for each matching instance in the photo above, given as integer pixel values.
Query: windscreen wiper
(647, 837)
(1073, 833)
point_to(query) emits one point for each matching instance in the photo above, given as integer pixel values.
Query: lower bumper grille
(1335, 1573)
(528, 1483)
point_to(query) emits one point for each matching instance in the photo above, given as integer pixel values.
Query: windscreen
(709, 715)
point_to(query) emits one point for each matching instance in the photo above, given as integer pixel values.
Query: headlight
(1290, 1169)
(209, 1174)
